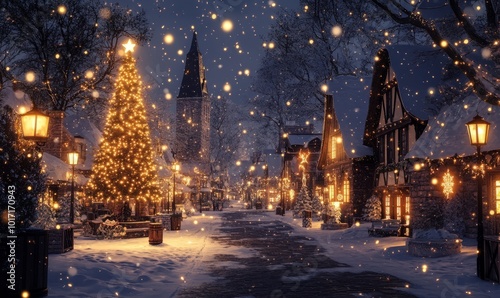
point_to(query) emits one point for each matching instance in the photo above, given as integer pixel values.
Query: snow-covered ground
(134, 268)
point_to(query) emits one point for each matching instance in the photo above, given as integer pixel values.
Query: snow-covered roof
(55, 168)
(351, 95)
(419, 71)
(446, 134)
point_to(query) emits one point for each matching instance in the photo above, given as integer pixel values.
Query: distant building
(193, 113)
(348, 165)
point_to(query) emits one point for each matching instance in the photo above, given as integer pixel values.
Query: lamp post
(265, 167)
(35, 126)
(72, 160)
(282, 182)
(478, 130)
(175, 168)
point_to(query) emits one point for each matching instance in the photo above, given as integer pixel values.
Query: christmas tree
(373, 209)
(123, 169)
(21, 177)
(303, 202)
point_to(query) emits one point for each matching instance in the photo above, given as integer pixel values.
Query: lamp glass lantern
(73, 158)
(35, 125)
(478, 130)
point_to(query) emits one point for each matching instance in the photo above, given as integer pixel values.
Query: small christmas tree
(317, 207)
(188, 207)
(303, 202)
(45, 217)
(373, 209)
(62, 213)
(123, 169)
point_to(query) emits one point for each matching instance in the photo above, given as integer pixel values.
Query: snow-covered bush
(434, 234)
(373, 209)
(458, 211)
(333, 213)
(189, 208)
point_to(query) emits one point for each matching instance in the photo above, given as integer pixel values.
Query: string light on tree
(123, 169)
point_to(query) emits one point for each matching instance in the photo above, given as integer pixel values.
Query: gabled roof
(446, 134)
(419, 71)
(350, 105)
(193, 82)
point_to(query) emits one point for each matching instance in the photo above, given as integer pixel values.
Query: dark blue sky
(230, 57)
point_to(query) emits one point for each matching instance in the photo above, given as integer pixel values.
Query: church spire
(193, 82)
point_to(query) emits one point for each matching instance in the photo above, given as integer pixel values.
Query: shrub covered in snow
(433, 234)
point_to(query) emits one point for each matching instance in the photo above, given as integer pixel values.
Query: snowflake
(448, 183)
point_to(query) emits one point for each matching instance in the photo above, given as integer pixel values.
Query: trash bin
(155, 233)
(31, 248)
(176, 220)
(278, 210)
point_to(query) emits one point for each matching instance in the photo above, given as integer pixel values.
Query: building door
(396, 205)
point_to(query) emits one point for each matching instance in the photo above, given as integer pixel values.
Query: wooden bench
(135, 228)
(385, 228)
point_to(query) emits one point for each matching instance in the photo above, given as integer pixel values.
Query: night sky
(231, 57)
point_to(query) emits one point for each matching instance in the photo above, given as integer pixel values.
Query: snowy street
(249, 253)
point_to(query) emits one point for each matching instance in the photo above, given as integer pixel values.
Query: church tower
(193, 112)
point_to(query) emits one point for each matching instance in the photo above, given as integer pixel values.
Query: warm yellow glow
(129, 46)
(124, 168)
(214, 16)
(478, 130)
(227, 87)
(61, 9)
(336, 31)
(35, 125)
(227, 26)
(73, 158)
(30, 77)
(168, 38)
(444, 43)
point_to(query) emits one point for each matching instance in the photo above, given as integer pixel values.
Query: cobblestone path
(284, 265)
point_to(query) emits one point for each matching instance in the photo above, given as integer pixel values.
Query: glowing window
(497, 196)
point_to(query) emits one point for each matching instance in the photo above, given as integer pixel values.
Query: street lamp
(72, 160)
(478, 130)
(35, 126)
(282, 182)
(175, 168)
